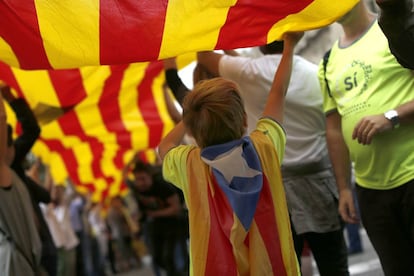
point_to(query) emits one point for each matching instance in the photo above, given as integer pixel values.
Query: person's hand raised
(292, 38)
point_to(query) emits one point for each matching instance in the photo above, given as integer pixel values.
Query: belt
(306, 168)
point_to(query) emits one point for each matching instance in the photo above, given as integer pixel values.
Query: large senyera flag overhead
(93, 119)
(96, 105)
(45, 34)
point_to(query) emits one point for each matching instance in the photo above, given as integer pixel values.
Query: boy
(239, 224)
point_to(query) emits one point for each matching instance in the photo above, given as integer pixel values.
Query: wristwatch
(392, 115)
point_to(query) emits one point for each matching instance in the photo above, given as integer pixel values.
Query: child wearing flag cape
(232, 185)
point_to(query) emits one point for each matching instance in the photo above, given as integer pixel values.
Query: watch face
(392, 115)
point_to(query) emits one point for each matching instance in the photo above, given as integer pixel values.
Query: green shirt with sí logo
(366, 79)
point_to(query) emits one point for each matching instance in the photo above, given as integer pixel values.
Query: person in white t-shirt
(58, 219)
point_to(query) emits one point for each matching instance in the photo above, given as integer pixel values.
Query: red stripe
(220, 258)
(248, 22)
(139, 29)
(267, 224)
(19, 27)
(7, 75)
(71, 126)
(68, 85)
(147, 104)
(109, 108)
(67, 155)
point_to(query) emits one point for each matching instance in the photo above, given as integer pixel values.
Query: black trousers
(388, 217)
(328, 249)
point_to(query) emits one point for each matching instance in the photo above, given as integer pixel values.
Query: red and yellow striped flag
(93, 119)
(45, 34)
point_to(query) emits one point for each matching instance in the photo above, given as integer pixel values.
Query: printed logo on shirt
(352, 83)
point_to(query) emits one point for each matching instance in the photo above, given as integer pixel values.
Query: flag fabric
(93, 119)
(46, 34)
(236, 208)
(96, 105)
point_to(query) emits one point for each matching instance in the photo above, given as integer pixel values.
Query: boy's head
(214, 112)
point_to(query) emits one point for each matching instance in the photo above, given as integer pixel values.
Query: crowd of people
(271, 158)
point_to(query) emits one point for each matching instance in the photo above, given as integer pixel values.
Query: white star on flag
(232, 164)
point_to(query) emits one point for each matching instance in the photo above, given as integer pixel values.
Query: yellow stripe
(259, 262)
(83, 154)
(90, 119)
(37, 86)
(241, 255)
(318, 14)
(158, 95)
(279, 200)
(196, 197)
(72, 28)
(7, 55)
(131, 115)
(201, 19)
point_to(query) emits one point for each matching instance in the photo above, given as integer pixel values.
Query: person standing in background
(20, 245)
(369, 108)
(30, 132)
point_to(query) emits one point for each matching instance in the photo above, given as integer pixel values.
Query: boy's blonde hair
(214, 112)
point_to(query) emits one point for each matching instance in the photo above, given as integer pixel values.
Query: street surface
(363, 264)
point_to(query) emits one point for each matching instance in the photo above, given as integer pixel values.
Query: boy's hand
(292, 38)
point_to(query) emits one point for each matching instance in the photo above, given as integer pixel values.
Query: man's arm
(339, 154)
(210, 60)
(30, 127)
(174, 82)
(275, 100)
(171, 107)
(369, 126)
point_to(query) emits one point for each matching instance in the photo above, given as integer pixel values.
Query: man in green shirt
(369, 106)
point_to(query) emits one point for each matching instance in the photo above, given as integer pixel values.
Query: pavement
(362, 264)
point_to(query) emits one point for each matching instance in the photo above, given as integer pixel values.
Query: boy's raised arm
(275, 101)
(172, 139)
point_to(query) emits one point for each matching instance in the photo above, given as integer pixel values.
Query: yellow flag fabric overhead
(93, 119)
(46, 34)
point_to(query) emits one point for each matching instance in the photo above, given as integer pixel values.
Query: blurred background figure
(162, 216)
(123, 230)
(397, 22)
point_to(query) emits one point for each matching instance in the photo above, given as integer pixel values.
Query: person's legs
(388, 218)
(298, 242)
(330, 252)
(80, 262)
(306, 259)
